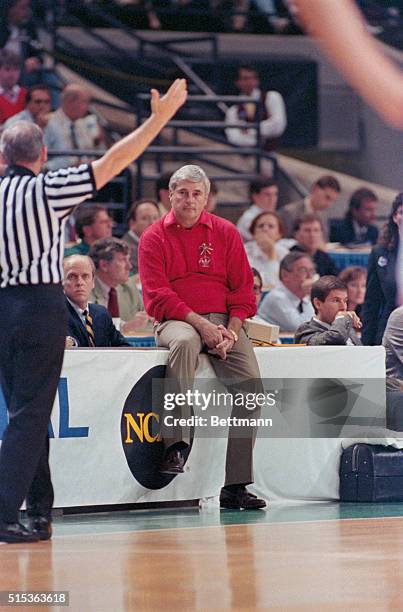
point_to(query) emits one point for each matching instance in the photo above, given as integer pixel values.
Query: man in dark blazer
(332, 323)
(357, 226)
(310, 239)
(88, 324)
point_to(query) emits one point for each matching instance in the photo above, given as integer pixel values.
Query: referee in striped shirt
(33, 210)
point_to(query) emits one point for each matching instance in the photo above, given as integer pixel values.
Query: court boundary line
(360, 518)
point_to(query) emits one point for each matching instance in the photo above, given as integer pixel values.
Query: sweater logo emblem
(205, 251)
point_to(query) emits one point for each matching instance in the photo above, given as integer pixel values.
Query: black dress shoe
(240, 499)
(172, 462)
(15, 533)
(42, 526)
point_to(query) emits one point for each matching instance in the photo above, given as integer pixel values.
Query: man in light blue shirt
(289, 304)
(37, 109)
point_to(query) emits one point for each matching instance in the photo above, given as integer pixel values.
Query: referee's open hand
(166, 106)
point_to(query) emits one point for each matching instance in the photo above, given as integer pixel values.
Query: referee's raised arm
(132, 146)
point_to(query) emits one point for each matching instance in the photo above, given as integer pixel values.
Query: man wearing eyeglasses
(289, 304)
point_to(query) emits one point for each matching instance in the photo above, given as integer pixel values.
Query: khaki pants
(185, 345)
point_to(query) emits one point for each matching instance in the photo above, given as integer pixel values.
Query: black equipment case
(371, 473)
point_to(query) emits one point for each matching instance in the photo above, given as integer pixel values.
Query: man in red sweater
(198, 285)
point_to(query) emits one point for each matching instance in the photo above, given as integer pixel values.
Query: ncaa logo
(140, 430)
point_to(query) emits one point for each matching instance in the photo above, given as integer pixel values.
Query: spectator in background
(12, 96)
(381, 294)
(332, 323)
(323, 194)
(289, 304)
(18, 34)
(75, 127)
(142, 213)
(114, 289)
(264, 252)
(37, 106)
(264, 197)
(393, 343)
(162, 189)
(270, 112)
(257, 286)
(357, 226)
(88, 324)
(92, 222)
(142, 13)
(355, 279)
(212, 197)
(37, 109)
(309, 236)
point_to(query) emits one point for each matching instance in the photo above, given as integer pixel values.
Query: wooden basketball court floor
(322, 556)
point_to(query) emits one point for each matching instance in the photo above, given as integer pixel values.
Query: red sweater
(8, 108)
(202, 269)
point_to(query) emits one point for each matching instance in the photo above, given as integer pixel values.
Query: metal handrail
(191, 126)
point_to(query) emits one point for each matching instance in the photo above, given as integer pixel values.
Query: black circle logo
(140, 430)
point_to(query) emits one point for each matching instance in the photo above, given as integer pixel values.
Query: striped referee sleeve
(68, 187)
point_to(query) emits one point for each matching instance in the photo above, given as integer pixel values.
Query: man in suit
(393, 343)
(309, 235)
(114, 289)
(357, 226)
(332, 323)
(88, 324)
(323, 194)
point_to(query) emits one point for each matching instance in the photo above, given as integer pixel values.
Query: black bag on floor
(371, 473)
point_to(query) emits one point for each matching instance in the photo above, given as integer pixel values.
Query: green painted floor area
(145, 520)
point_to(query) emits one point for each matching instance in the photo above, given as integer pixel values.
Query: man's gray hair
(192, 173)
(22, 142)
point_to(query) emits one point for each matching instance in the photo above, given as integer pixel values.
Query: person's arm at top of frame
(121, 154)
(340, 31)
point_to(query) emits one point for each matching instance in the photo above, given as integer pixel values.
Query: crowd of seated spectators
(290, 267)
(255, 16)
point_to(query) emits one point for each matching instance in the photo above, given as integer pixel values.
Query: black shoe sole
(18, 540)
(233, 506)
(44, 536)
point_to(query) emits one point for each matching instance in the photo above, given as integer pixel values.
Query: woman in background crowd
(264, 253)
(257, 286)
(381, 294)
(355, 277)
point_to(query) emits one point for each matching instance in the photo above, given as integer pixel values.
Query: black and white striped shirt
(33, 212)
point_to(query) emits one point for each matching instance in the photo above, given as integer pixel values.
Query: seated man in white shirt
(114, 289)
(264, 197)
(332, 323)
(289, 304)
(271, 110)
(75, 127)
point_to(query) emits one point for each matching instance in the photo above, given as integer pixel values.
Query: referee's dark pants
(32, 337)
